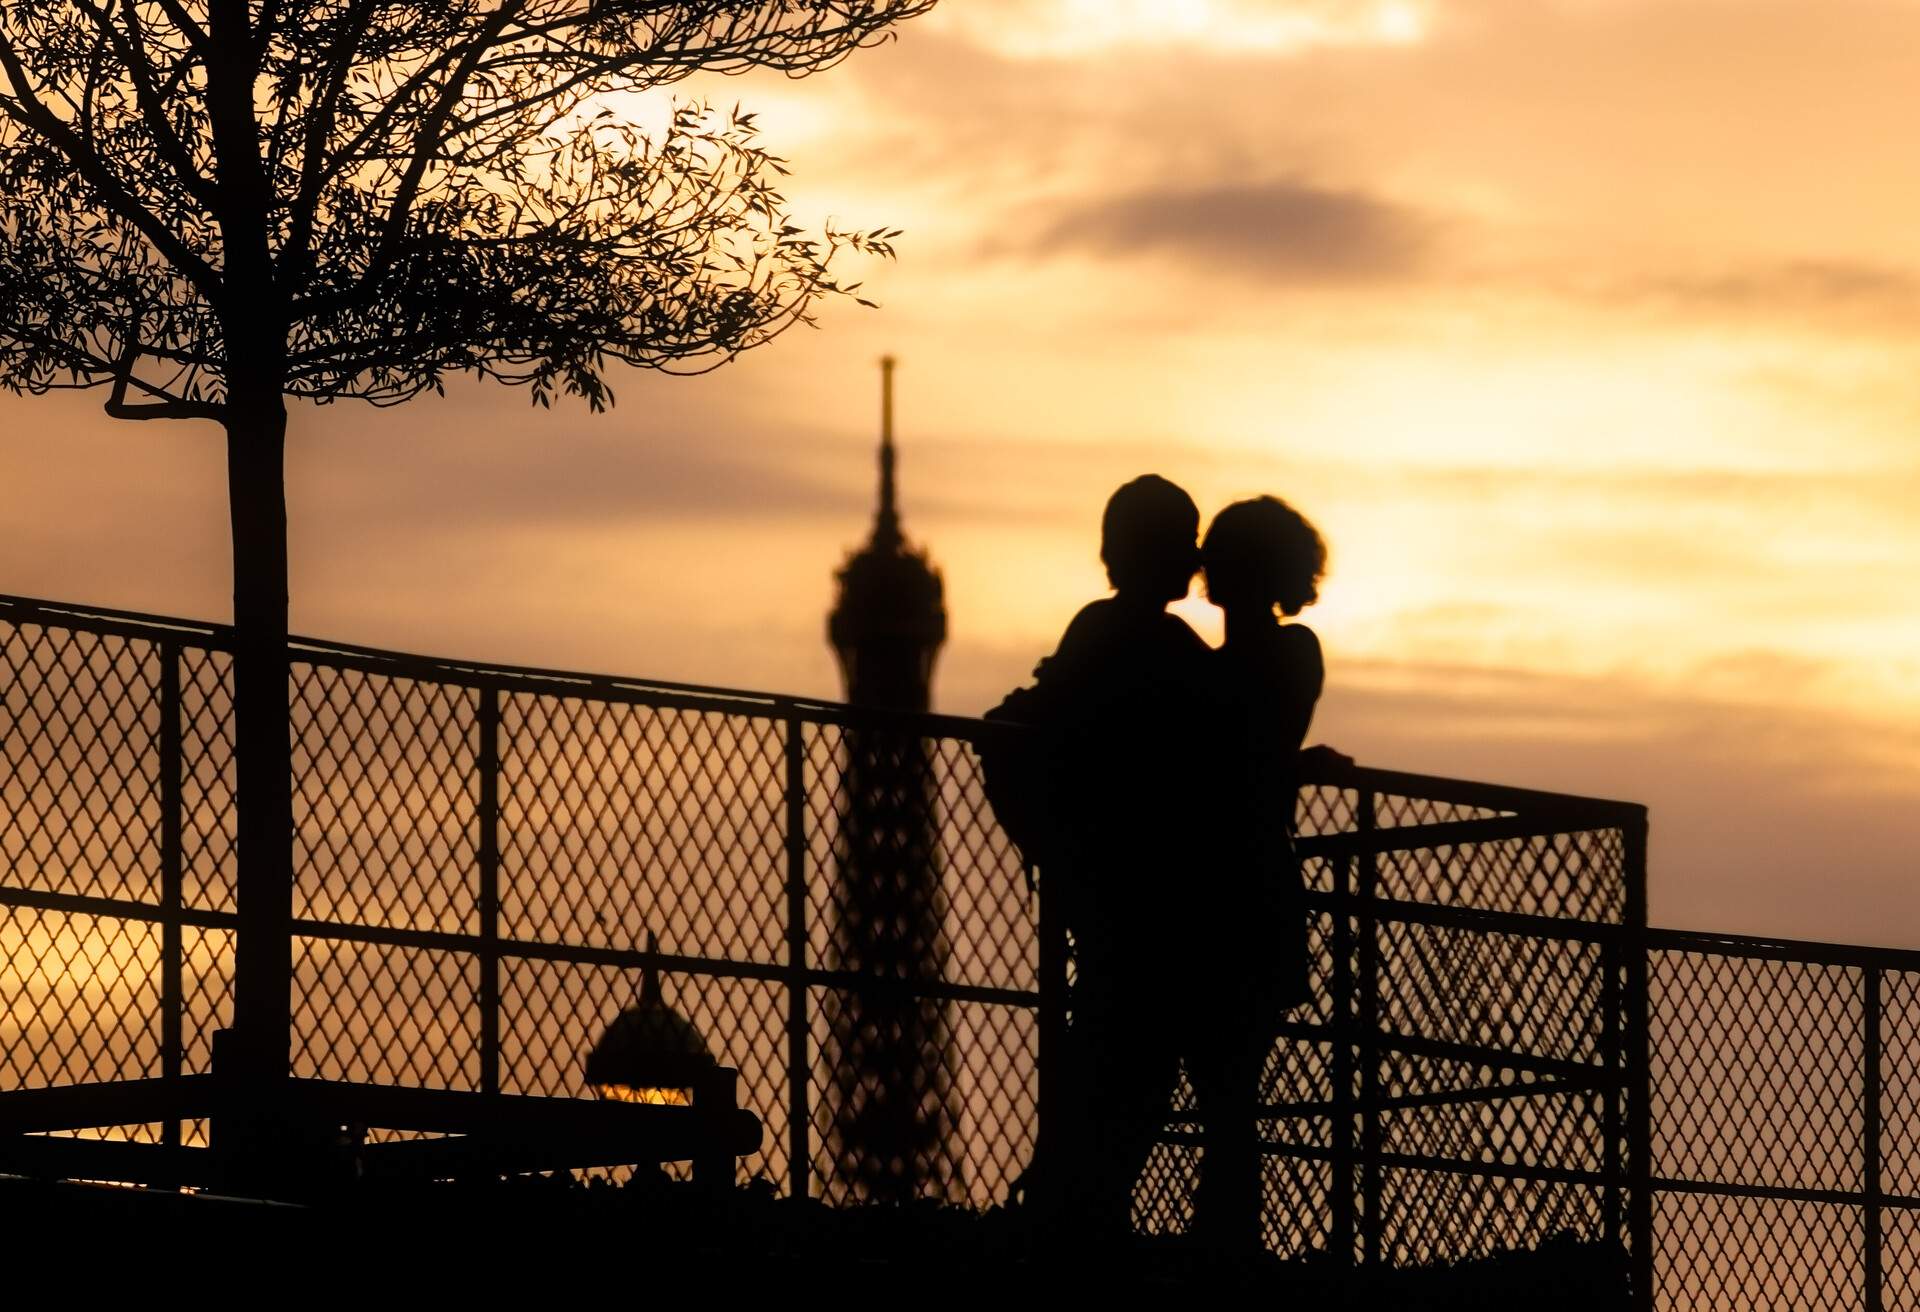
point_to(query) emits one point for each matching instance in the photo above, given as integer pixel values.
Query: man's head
(1147, 539)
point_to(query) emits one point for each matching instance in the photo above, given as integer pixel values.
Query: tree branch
(130, 47)
(25, 108)
(427, 141)
(167, 406)
(298, 257)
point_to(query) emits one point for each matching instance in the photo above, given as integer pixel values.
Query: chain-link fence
(486, 860)
(1785, 1109)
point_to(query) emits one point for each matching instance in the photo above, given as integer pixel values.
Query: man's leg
(1124, 1069)
(1226, 1075)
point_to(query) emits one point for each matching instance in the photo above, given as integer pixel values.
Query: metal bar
(487, 766)
(1367, 1028)
(544, 1148)
(1870, 1128)
(1489, 1094)
(122, 623)
(1613, 1125)
(118, 1102)
(1782, 1193)
(164, 1165)
(1416, 1161)
(716, 1109)
(1453, 833)
(172, 949)
(636, 958)
(1470, 792)
(463, 1112)
(1344, 1237)
(1517, 923)
(1639, 1075)
(1055, 1085)
(1781, 949)
(1588, 1073)
(1493, 1170)
(1582, 1079)
(113, 908)
(799, 1059)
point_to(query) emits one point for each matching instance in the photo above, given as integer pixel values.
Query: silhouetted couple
(1162, 825)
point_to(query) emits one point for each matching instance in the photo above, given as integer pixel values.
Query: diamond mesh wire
(1900, 1084)
(1900, 1286)
(1433, 1217)
(79, 763)
(1712, 1253)
(386, 821)
(1756, 1071)
(620, 820)
(208, 820)
(372, 1013)
(1163, 1196)
(79, 999)
(1570, 875)
(1499, 991)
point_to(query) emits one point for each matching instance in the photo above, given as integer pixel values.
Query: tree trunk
(256, 443)
(253, 329)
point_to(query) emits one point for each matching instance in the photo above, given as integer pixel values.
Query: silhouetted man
(1121, 707)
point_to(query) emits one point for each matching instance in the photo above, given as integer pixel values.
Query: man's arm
(1059, 677)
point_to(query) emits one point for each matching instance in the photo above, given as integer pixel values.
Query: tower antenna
(886, 527)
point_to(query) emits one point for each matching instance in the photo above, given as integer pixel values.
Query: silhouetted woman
(1263, 563)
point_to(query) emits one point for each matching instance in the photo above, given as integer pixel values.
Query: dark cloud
(1836, 292)
(1286, 229)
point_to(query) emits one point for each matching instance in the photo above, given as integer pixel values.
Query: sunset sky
(1587, 330)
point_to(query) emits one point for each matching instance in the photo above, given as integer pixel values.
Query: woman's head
(1263, 553)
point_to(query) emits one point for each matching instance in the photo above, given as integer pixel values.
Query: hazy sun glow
(648, 1096)
(1593, 354)
(1072, 28)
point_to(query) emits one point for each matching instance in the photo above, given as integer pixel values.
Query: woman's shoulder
(1299, 640)
(1293, 643)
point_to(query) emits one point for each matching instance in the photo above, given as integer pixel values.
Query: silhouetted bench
(296, 1137)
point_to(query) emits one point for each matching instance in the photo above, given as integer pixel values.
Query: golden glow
(1076, 28)
(651, 1097)
(1631, 417)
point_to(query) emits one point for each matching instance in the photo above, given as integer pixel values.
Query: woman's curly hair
(1265, 551)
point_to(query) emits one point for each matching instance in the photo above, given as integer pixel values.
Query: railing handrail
(1758, 947)
(158, 628)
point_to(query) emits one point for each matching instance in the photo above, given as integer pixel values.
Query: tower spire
(886, 522)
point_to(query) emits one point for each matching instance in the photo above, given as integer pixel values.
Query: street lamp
(651, 1053)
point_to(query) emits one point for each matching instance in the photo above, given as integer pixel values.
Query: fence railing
(1785, 1105)
(481, 854)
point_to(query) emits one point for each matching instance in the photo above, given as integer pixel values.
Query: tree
(207, 206)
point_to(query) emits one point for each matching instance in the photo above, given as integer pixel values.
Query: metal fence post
(799, 1061)
(1367, 1025)
(1639, 1061)
(1051, 1103)
(1870, 1133)
(172, 950)
(488, 765)
(1345, 1034)
(1615, 952)
(1613, 1127)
